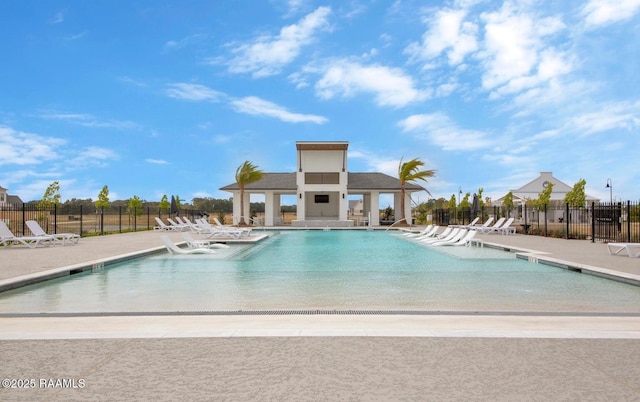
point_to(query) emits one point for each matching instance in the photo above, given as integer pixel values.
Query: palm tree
(409, 172)
(245, 174)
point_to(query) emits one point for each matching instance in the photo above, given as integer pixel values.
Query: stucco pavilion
(322, 185)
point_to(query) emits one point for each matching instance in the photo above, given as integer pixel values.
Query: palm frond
(410, 171)
(248, 173)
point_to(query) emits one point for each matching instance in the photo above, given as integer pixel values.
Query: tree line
(52, 197)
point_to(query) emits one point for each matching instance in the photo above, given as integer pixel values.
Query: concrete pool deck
(326, 357)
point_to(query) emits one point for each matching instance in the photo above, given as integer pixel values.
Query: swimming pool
(327, 270)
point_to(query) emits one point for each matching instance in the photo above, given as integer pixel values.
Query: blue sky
(154, 98)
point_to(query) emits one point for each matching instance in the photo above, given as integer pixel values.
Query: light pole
(610, 187)
(459, 200)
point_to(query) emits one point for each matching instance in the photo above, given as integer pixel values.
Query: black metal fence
(601, 222)
(84, 220)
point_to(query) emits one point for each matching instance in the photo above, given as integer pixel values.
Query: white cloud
(33, 190)
(88, 120)
(608, 117)
(77, 36)
(193, 92)
(20, 148)
(510, 158)
(390, 86)
(171, 45)
(294, 6)
(91, 156)
(384, 164)
(448, 33)
(299, 80)
(222, 139)
(376, 163)
(550, 98)
(156, 161)
(259, 107)
(598, 13)
(516, 54)
(443, 132)
(267, 55)
(57, 18)
(353, 9)
(129, 80)
(250, 105)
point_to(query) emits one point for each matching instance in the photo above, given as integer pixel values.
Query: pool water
(328, 270)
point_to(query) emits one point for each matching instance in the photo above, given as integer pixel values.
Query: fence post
(135, 219)
(55, 218)
(628, 221)
(526, 229)
(81, 216)
(568, 219)
(120, 219)
(593, 222)
(148, 217)
(24, 215)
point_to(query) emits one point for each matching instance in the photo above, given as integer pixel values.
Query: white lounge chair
(183, 224)
(632, 249)
(506, 228)
(193, 226)
(245, 231)
(452, 239)
(430, 233)
(177, 226)
(163, 226)
(199, 226)
(62, 238)
(489, 229)
(442, 237)
(8, 239)
(462, 242)
(419, 233)
(485, 224)
(173, 249)
(435, 235)
(206, 243)
(469, 225)
(210, 231)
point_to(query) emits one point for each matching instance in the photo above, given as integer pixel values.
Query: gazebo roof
(373, 181)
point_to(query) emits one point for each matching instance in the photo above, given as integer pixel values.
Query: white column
(344, 206)
(247, 207)
(374, 207)
(236, 206)
(300, 212)
(268, 208)
(276, 207)
(366, 207)
(407, 207)
(396, 206)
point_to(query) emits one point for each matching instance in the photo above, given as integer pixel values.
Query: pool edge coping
(43, 276)
(541, 257)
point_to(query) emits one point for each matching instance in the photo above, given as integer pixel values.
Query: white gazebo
(322, 185)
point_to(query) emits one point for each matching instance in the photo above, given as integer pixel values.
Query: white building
(322, 185)
(532, 190)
